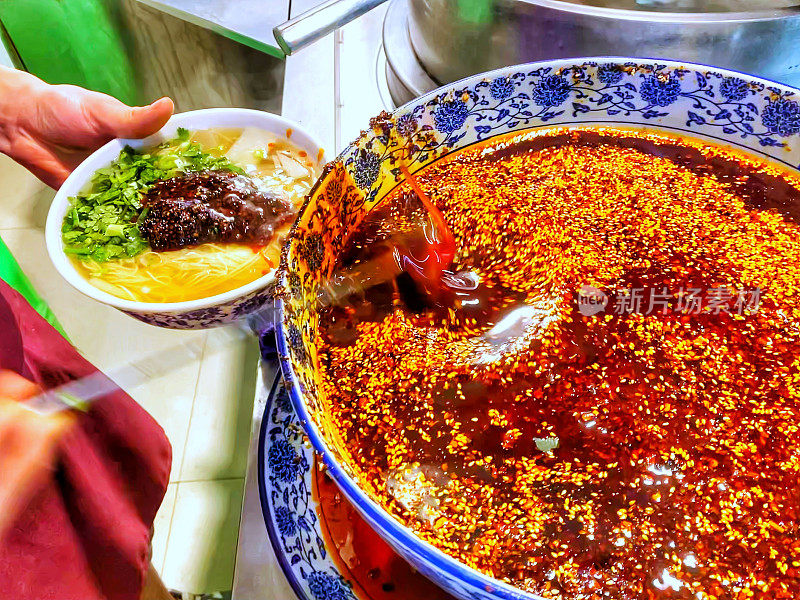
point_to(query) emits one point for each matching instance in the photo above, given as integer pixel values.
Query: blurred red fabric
(86, 533)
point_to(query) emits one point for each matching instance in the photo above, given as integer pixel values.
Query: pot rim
(629, 14)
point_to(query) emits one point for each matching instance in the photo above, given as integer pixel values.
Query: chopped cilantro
(103, 223)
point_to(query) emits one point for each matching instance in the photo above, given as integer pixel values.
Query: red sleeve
(86, 534)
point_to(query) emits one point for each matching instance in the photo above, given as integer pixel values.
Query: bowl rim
(77, 180)
(384, 522)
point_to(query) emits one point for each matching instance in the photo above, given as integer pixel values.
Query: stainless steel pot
(457, 38)
(452, 43)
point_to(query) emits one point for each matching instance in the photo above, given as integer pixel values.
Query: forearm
(28, 443)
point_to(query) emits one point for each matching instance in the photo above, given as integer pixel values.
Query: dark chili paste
(211, 206)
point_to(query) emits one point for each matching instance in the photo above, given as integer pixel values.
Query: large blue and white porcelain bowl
(728, 108)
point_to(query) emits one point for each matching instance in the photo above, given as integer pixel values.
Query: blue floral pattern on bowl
(735, 109)
(285, 485)
(707, 101)
(211, 316)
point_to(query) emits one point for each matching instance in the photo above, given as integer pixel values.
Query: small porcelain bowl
(193, 314)
(731, 109)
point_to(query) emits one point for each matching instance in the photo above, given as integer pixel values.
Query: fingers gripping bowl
(687, 158)
(183, 229)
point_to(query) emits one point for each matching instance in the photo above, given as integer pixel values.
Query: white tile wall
(4, 59)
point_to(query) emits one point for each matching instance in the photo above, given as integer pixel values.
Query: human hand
(28, 443)
(50, 129)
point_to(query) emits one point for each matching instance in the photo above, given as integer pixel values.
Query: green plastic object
(477, 12)
(80, 42)
(13, 276)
